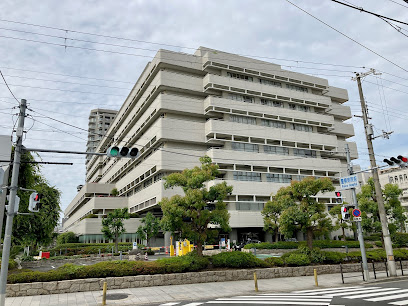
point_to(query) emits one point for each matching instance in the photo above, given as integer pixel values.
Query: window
(391, 180)
(278, 178)
(247, 147)
(272, 83)
(405, 177)
(295, 87)
(302, 108)
(247, 176)
(242, 98)
(396, 179)
(240, 76)
(302, 127)
(242, 119)
(273, 123)
(400, 178)
(249, 206)
(271, 103)
(276, 150)
(304, 153)
(298, 177)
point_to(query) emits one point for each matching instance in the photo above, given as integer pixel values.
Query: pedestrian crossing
(316, 297)
(390, 296)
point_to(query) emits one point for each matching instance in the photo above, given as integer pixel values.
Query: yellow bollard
(171, 250)
(315, 276)
(256, 282)
(105, 287)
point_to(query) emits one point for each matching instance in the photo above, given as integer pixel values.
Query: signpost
(349, 182)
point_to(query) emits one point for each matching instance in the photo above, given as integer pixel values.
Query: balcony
(214, 126)
(337, 94)
(340, 111)
(343, 129)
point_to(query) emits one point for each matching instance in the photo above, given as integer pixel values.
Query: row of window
(266, 82)
(270, 177)
(401, 179)
(268, 102)
(249, 147)
(270, 123)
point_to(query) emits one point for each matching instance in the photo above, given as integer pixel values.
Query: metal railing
(374, 270)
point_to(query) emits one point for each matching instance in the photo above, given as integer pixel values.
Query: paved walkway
(165, 294)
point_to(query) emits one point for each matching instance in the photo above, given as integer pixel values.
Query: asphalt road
(374, 294)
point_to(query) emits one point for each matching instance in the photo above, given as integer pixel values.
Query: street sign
(349, 182)
(356, 213)
(357, 219)
(134, 245)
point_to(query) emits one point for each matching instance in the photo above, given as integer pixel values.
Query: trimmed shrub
(236, 260)
(333, 257)
(276, 245)
(400, 240)
(150, 252)
(12, 264)
(296, 259)
(68, 237)
(322, 244)
(275, 262)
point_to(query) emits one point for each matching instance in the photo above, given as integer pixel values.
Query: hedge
(323, 244)
(87, 248)
(236, 260)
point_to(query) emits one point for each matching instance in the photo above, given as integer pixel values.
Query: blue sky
(66, 83)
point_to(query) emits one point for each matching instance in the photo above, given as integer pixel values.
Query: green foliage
(373, 237)
(68, 237)
(301, 211)
(335, 212)
(188, 263)
(134, 215)
(322, 244)
(114, 192)
(315, 255)
(150, 227)
(296, 259)
(333, 257)
(369, 209)
(274, 262)
(199, 205)
(15, 250)
(236, 260)
(36, 229)
(112, 225)
(271, 214)
(400, 239)
(12, 264)
(27, 258)
(150, 252)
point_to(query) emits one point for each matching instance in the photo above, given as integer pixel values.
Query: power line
(5, 83)
(398, 3)
(352, 39)
(368, 12)
(168, 45)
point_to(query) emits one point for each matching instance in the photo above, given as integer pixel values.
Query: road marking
(193, 304)
(385, 298)
(170, 304)
(376, 294)
(314, 299)
(404, 302)
(327, 289)
(289, 296)
(375, 289)
(330, 292)
(272, 302)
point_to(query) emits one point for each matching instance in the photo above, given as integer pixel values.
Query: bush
(236, 260)
(322, 244)
(150, 252)
(68, 237)
(400, 239)
(333, 257)
(27, 258)
(275, 262)
(296, 259)
(15, 250)
(87, 248)
(315, 255)
(373, 237)
(134, 215)
(12, 264)
(276, 245)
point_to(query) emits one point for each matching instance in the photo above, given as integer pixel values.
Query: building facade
(99, 122)
(399, 176)
(263, 125)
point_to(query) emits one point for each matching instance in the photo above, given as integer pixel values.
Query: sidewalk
(190, 292)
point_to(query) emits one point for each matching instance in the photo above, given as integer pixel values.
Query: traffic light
(34, 204)
(122, 152)
(400, 161)
(345, 213)
(339, 198)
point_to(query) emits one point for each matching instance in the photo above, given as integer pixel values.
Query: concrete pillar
(167, 239)
(268, 237)
(233, 235)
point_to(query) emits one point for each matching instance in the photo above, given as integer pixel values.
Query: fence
(372, 268)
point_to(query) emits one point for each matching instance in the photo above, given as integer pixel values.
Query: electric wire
(5, 83)
(345, 35)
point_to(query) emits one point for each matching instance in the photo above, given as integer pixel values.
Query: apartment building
(99, 122)
(399, 176)
(263, 125)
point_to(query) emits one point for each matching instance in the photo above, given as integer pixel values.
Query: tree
(67, 237)
(301, 211)
(192, 214)
(271, 214)
(114, 192)
(36, 229)
(335, 212)
(112, 225)
(150, 227)
(371, 222)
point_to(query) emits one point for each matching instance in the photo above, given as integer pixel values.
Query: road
(374, 294)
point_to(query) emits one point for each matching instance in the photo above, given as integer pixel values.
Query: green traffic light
(114, 151)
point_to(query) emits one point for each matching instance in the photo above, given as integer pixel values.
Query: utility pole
(13, 194)
(3, 197)
(368, 129)
(358, 223)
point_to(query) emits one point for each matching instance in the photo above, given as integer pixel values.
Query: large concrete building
(263, 125)
(99, 122)
(399, 176)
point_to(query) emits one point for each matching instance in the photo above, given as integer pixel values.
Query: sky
(63, 72)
